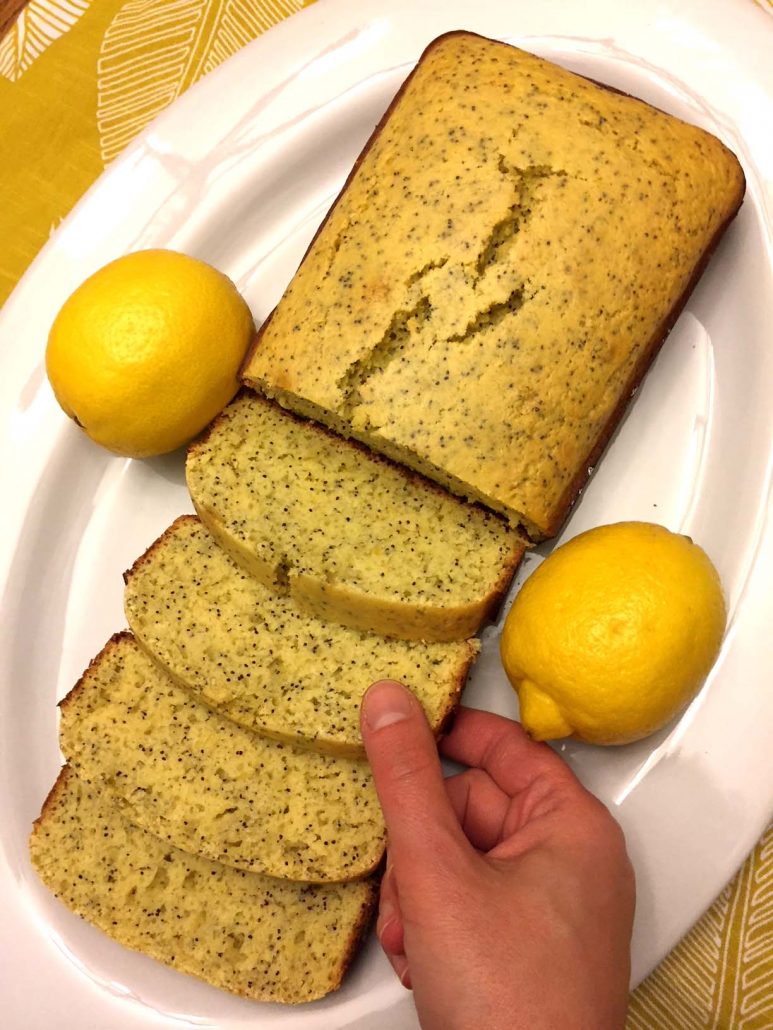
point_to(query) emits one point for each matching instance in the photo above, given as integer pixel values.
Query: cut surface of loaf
(349, 536)
(254, 656)
(200, 782)
(265, 939)
(509, 252)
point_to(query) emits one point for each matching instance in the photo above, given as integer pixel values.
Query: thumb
(421, 824)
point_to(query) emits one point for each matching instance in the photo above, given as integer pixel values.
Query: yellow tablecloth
(78, 80)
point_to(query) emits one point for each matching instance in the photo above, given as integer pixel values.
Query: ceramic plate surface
(239, 172)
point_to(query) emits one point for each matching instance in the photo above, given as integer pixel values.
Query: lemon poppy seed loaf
(510, 250)
(204, 784)
(350, 537)
(252, 655)
(265, 939)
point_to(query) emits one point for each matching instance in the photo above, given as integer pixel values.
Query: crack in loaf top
(512, 247)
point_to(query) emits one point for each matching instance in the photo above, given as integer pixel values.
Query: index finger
(421, 824)
(503, 749)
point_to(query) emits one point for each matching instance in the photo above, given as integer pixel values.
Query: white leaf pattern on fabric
(142, 64)
(152, 52)
(241, 22)
(36, 28)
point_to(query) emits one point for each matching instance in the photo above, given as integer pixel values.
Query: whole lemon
(147, 350)
(613, 634)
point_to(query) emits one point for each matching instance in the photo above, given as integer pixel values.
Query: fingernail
(386, 913)
(386, 702)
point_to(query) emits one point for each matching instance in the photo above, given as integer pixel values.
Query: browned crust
(204, 435)
(52, 798)
(447, 717)
(503, 581)
(575, 486)
(148, 553)
(358, 932)
(113, 642)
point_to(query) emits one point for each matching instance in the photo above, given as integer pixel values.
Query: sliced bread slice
(350, 536)
(210, 787)
(252, 655)
(265, 939)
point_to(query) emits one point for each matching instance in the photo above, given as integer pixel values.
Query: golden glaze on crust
(506, 258)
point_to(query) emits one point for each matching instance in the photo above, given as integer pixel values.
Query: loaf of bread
(252, 655)
(509, 252)
(349, 536)
(204, 784)
(265, 939)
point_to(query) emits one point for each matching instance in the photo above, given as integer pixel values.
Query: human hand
(508, 897)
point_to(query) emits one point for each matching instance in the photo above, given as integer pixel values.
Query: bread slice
(351, 537)
(206, 785)
(252, 655)
(510, 251)
(265, 939)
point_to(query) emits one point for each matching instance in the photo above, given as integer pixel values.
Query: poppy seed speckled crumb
(350, 536)
(210, 787)
(502, 265)
(262, 938)
(251, 654)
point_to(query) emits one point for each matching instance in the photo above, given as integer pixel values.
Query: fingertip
(384, 703)
(406, 771)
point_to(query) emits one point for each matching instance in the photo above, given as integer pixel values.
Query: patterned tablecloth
(78, 80)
